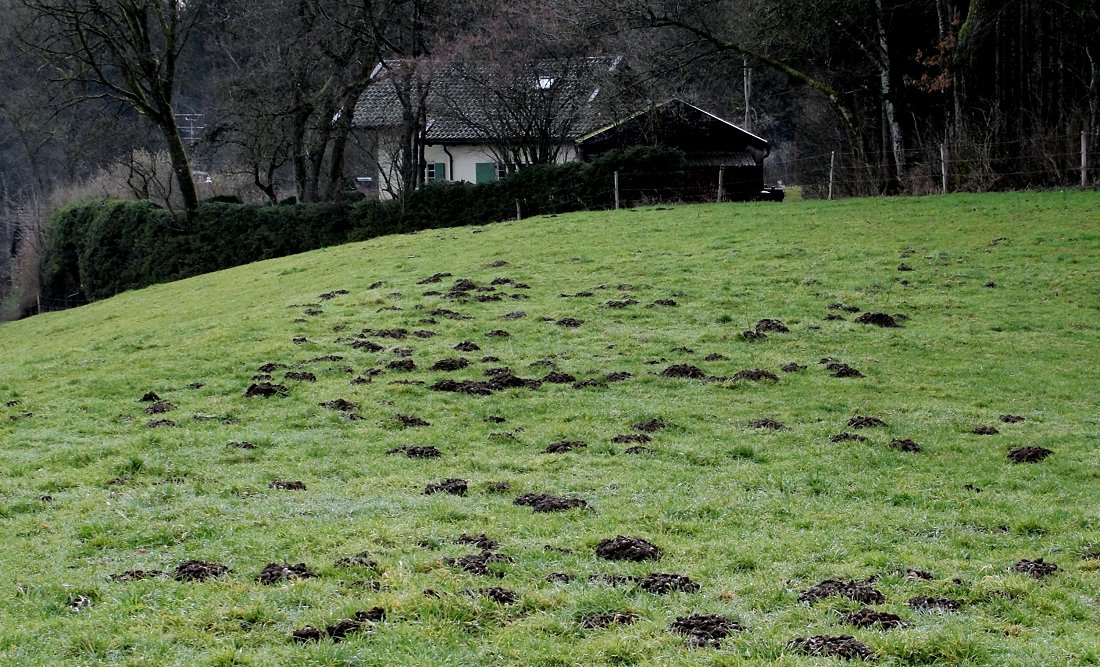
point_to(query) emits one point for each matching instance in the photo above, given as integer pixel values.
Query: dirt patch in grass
(434, 278)
(839, 646)
(467, 346)
(847, 437)
(928, 603)
(985, 430)
(767, 424)
(402, 365)
(514, 315)
(841, 370)
(620, 303)
(860, 591)
(136, 575)
(339, 630)
(622, 547)
(1037, 569)
(627, 438)
(668, 303)
(424, 334)
(480, 541)
(650, 425)
(367, 345)
(752, 336)
(878, 320)
(498, 333)
(160, 407)
(273, 573)
(843, 307)
(569, 322)
(861, 421)
(869, 618)
(685, 371)
(300, 376)
(1029, 454)
(714, 356)
(501, 596)
(556, 377)
(361, 559)
(774, 326)
(589, 384)
(792, 367)
(594, 621)
(411, 421)
(1011, 419)
(153, 423)
(559, 578)
(755, 375)
(148, 397)
(340, 405)
(563, 446)
(660, 583)
(417, 452)
(197, 570)
(479, 563)
(637, 449)
(544, 502)
(905, 445)
(448, 314)
(287, 485)
(452, 485)
(265, 390)
(612, 579)
(705, 629)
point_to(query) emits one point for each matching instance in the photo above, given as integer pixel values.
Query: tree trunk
(897, 140)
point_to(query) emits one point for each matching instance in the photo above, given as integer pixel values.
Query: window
(545, 83)
(435, 171)
(502, 170)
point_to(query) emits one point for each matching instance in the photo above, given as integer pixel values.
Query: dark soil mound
(273, 573)
(839, 370)
(1011, 419)
(878, 319)
(496, 419)
(467, 346)
(244, 444)
(985, 430)
(197, 570)
(499, 595)
(650, 425)
(514, 315)
(361, 559)
(479, 563)
(847, 437)
(463, 285)
(136, 575)
(449, 314)
(860, 591)
(271, 367)
(299, 340)
(569, 322)
(631, 438)
(618, 376)
(665, 302)
(367, 345)
(660, 583)
(755, 375)
(563, 446)
(424, 333)
(869, 618)
(905, 445)
(638, 449)
(332, 295)
(395, 334)
(287, 485)
(498, 333)
(904, 267)
(620, 303)
(472, 387)
(926, 603)
(684, 371)
(153, 423)
(160, 407)
(265, 390)
(434, 278)
(622, 547)
(604, 620)
(543, 502)
(323, 358)
(340, 405)
(714, 356)
(496, 282)
(705, 630)
(555, 377)
(1035, 568)
(1028, 454)
(149, 397)
(846, 309)
(767, 423)
(559, 578)
(792, 367)
(300, 376)
(611, 579)
(340, 629)
(307, 634)
(411, 421)
(753, 336)
(417, 452)
(860, 421)
(771, 325)
(451, 485)
(402, 365)
(833, 317)
(480, 541)
(842, 646)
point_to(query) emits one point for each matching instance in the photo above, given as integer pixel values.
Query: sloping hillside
(360, 435)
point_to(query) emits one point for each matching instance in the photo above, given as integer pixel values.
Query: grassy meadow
(998, 301)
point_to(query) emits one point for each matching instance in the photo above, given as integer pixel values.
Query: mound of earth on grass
(860, 421)
(650, 425)
(705, 629)
(481, 541)
(153, 423)
(361, 559)
(451, 485)
(631, 438)
(622, 547)
(847, 437)
(339, 630)
(684, 371)
(555, 377)
(594, 621)
(792, 367)
(160, 407)
(869, 618)
(197, 570)
(985, 430)
(860, 591)
(1011, 419)
(905, 445)
(265, 390)
(544, 502)
(878, 320)
(273, 573)
(1029, 454)
(478, 563)
(411, 421)
(928, 603)
(564, 446)
(1037, 569)
(840, 646)
(136, 575)
(775, 326)
(287, 485)
(450, 364)
(660, 583)
(339, 405)
(767, 424)
(755, 375)
(417, 452)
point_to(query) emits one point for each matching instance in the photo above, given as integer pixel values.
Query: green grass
(753, 516)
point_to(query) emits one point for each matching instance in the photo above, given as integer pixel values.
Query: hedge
(99, 248)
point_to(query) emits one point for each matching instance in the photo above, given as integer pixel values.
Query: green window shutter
(486, 172)
(440, 171)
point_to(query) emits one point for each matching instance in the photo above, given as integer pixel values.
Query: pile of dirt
(498, 333)
(361, 559)
(589, 384)
(768, 424)
(149, 397)
(1029, 454)
(631, 438)
(622, 547)
(559, 578)
(860, 421)
(481, 541)
(424, 333)
(792, 367)
(755, 375)
(753, 336)
(451, 485)
(160, 407)
(705, 630)
(367, 345)
(869, 618)
(841, 646)
(905, 445)
(556, 377)
(332, 295)
(411, 421)
(514, 315)
(479, 563)
(434, 278)
(904, 267)
(340, 629)
(650, 425)
(611, 579)
(618, 376)
(563, 446)
(684, 371)
(136, 575)
(840, 370)
(927, 603)
(774, 326)
(467, 346)
(544, 502)
(197, 570)
(847, 437)
(660, 583)
(448, 314)
(287, 485)
(153, 423)
(299, 340)
(1037, 569)
(843, 307)
(273, 573)
(637, 449)
(300, 376)
(417, 452)
(471, 387)
(860, 591)
(1011, 419)
(498, 595)
(395, 334)
(985, 430)
(339, 405)
(879, 320)
(620, 303)
(402, 365)
(594, 621)
(265, 390)
(714, 356)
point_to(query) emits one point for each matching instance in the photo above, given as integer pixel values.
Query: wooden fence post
(519, 215)
(943, 166)
(721, 182)
(1084, 161)
(832, 162)
(616, 189)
